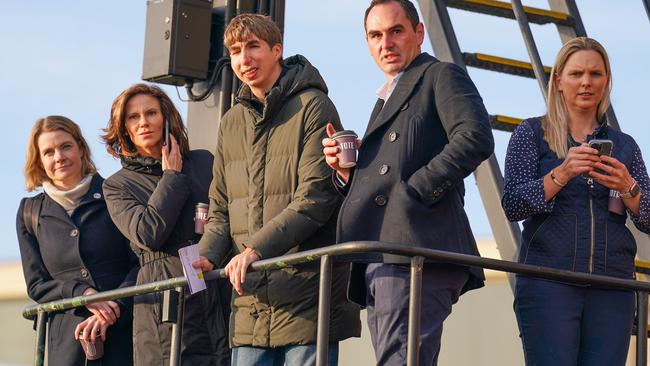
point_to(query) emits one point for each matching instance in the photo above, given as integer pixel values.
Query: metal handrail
(357, 247)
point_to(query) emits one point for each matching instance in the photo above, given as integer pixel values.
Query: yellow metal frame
(528, 9)
(508, 120)
(507, 61)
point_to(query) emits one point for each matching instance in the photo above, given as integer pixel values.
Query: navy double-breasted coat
(408, 187)
(73, 253)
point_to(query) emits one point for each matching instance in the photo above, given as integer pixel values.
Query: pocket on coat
(554, 243)
(620, 250)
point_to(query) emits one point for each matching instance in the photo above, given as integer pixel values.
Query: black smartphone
(166, 134)
(604, 147)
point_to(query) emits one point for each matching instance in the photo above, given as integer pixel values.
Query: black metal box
(177, 41)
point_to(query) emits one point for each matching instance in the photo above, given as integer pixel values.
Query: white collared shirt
(386, 90)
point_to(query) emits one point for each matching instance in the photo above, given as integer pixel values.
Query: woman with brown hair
(70, 247)
(574, 181)
(152, 201)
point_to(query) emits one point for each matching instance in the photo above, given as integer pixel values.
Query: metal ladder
(564, 14)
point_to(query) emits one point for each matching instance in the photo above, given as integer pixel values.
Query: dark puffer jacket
(272, 192)
(575, 230)
(155, 210)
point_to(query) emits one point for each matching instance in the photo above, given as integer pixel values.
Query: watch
(632, 192)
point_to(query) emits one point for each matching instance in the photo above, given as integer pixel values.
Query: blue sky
(73, 57)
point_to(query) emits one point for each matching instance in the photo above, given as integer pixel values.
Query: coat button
(406, 105)
(381, 200)
(84, 272)
(392, 136)
(383, 169)
(74, 233)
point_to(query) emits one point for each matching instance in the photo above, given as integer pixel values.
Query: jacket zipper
(590, 182)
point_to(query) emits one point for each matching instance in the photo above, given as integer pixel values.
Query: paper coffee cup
(347, 143)
(93, 351)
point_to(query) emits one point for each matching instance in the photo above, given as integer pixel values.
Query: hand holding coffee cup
(347, 144)
(340, 150)
(91, 333)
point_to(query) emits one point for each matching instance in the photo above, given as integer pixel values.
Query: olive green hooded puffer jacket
(272, 191)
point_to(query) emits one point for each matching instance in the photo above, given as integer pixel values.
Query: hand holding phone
(166, 134)
(604, 147)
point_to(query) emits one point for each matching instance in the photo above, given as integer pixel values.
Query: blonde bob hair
(555, 123)
(34, 172)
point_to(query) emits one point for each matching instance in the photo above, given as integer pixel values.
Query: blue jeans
(288, 355)
(565, 325)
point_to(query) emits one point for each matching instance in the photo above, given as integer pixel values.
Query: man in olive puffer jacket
(271, 195)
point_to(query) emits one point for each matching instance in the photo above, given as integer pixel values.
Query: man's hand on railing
(237, 267)
(109, 311)
(203, 264)
(92, 327)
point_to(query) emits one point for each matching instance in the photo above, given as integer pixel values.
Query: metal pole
(177, 330)
(488, 175)
(41, 330)
(646, 4)
(324, 303)
(533, 53)
(415, 305)
(641, 328)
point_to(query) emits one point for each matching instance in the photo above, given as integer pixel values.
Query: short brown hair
(117, 138)
(244, 26)
(34, 172)
(409, 10)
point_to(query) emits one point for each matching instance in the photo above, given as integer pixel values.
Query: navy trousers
(565, 325)
(387, 304)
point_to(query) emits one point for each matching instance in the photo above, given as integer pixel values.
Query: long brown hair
(34, 172)
(115, 134)
(555, 123)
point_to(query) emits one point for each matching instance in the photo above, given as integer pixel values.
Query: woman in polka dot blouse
(574, 202)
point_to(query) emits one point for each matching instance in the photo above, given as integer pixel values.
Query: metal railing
(326, 254)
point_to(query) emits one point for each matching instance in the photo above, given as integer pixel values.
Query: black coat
(408, 187)
(155, 210)
(72, 254)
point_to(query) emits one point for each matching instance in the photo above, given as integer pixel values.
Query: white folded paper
(195, 280)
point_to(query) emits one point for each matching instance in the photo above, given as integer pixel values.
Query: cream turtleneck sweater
(69, 199)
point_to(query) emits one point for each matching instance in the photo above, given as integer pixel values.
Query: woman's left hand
(617, 176)
(171, 156)
(92, 327)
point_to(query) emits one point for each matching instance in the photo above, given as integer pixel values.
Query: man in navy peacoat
(428, 131)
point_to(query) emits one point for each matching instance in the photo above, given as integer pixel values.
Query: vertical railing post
(324, 302)
(415, 305)
(41, 330)
(177, 329)
(641, 328)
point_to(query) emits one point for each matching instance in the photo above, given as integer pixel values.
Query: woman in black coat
(70, 247)
(152, 201)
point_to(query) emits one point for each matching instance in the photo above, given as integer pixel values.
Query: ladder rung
(501, 64)
(504, 123)
(642, 266)
(504, 10)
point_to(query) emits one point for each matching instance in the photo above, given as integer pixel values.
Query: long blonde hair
(555, 123)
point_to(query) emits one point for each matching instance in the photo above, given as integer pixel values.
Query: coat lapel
(402, 92)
